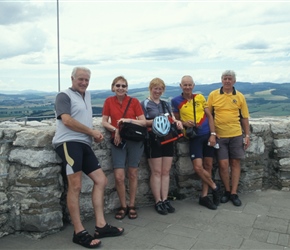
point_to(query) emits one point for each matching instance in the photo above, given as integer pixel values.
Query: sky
(142, 40)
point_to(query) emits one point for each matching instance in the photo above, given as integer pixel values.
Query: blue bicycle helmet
(161, 126)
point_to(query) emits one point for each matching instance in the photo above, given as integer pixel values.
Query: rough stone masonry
(32, 189)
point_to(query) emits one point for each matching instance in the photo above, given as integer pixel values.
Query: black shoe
(160, 208)
(169, 208)
(235, 199)
(226, 197)
(216, 195)
(206, 201)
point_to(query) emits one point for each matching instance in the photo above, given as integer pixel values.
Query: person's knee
(235, 166)
(208, 167)
(119, 178)
(133, 173)
(75, 188)
(198, 168)
(105, 181)
(224, 166)
(165, 172)
(102, 181)
(156, 172)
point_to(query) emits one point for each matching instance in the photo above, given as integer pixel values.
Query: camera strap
(194, 112)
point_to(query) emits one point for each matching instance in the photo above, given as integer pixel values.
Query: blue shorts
(198, 147)
(131, 153)
(77, 156)
(231, 148)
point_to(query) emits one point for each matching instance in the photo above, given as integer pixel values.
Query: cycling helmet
(161, 125)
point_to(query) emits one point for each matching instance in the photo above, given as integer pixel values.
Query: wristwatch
(213, 133)
(114, 130)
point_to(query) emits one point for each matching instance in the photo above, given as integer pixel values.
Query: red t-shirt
(115, 110)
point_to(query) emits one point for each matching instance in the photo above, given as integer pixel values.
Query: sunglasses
(121, 85)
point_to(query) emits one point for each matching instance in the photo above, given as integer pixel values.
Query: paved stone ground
(262, 222)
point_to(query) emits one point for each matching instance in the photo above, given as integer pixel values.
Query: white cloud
(142, 40)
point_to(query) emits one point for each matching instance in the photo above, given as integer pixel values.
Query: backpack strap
(164, 107)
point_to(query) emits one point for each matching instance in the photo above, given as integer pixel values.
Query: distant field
(266, 95)
(264, 99)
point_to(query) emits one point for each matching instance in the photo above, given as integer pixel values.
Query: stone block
(33, 158)
(284, 174)
(41, 222)
(182, 148)
(282, 152)
(34, 138)
(3, 198)
(258, 126)
(184, 166)
(3, 219)
(37, 182)
(285, 162)
(281, 143)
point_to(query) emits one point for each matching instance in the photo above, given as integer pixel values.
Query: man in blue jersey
(193, 111)
(72, 142)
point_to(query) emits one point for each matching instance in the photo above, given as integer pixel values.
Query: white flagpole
(58, 53)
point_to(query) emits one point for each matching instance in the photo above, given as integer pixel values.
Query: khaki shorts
(230, 148)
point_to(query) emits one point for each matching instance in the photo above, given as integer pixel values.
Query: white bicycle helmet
(161, 126)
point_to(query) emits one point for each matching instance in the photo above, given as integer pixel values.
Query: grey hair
(187, 76)
(75, 69)
(229, 73)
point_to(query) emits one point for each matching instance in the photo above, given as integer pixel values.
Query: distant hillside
(264, 99)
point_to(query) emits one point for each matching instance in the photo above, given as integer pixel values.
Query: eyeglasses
(121, 85)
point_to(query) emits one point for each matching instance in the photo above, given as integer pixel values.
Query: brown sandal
(132, 214)
(122, 212)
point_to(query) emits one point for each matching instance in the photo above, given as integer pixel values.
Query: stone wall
(32, 190)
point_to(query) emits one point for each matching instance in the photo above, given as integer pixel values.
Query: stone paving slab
(271, 224)
(262, 222)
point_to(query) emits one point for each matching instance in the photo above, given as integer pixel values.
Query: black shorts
(77, 156)
(154, 150)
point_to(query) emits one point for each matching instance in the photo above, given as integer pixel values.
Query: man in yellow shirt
(231, 119)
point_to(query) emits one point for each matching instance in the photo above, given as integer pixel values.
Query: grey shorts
(230, 148)
(130, 154)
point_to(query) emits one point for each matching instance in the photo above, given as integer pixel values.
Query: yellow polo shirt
(228, 109)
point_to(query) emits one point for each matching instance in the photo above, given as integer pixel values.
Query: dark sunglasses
(121, 85)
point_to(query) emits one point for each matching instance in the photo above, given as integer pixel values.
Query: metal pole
(58, 53)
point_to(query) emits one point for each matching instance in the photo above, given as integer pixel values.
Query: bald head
(187, 79)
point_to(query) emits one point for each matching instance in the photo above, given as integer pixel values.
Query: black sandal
(132, 214)
(84, 239)
(122, 212)
(107, 231)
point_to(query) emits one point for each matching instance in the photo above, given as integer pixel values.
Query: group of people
(222, 120)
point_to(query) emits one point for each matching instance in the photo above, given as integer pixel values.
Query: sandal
(84, 239)
(132, 214)
(107, 231)
(122, 212)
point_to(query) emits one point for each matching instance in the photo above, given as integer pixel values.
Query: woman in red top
(129, 151)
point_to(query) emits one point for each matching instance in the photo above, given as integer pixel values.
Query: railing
(37, 118)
